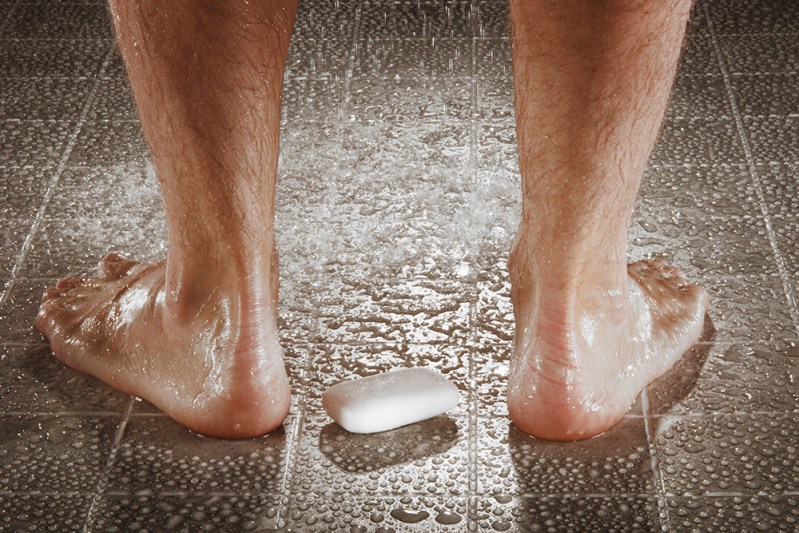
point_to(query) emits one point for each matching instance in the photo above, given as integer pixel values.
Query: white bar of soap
(390, 400)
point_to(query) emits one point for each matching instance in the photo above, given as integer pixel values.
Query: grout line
(112, 455)
(758, 185)
(660, 490)
(54, 179)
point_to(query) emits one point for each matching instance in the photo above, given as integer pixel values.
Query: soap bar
(390, 400)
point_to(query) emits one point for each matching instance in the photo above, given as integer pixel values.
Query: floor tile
(747, 17)
(34, 381)
(568, 513)
(59, 21)
(695, 141)
(736, 453)
(43, 512)
(614, 463)
(33, 143)
(729, 379)
(44, 98)
(699, 97)
(766, 95)
(700, 191)
(412, 58)
(771, 53)
(750, 309)
(773, 139)
(409, 100)
(347, 512)
(52, 58)
(452, 19)
(158, 455)
(428, 458)
(734, 513)
(123, 190)
(187, 512)
(113, 101)
(18, 312)
(109, 144)
(12, 236)
(780, 184)
(57, 454)
(75, 246)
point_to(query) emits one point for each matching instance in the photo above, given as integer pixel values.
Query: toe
(68, 283)
(114, 266)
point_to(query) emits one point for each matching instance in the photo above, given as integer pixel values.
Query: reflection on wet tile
(734, 513)
(568, 513)
(713, 378)
(728, 453)
(46, 512)
(75, 246)
(36, 382)
(411, 513)
(44, 98)
(428, 457)
(54, 454)
(146, 511)
(513, 463)
(159, 455)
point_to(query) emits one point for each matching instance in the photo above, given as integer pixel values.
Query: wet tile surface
(398, 200)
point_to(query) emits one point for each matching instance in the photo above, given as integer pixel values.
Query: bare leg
(196, 336)
(592, 81)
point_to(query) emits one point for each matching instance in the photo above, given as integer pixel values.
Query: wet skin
(197, 335)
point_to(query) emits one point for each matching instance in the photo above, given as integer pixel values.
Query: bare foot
(215, 367)
(583, 352)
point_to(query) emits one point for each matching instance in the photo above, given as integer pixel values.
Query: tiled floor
(398, 199)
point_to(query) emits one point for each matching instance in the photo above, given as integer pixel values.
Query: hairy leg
(591, 81)
(196, 335)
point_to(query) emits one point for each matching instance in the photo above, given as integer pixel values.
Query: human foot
(583, 353)
(215, 367)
